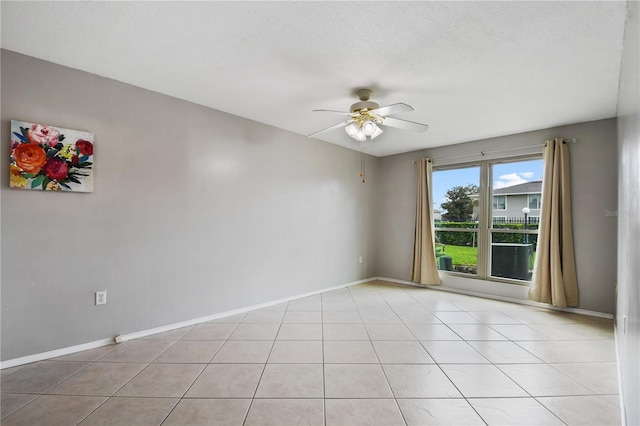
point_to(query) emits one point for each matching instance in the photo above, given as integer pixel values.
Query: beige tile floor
(376, 353)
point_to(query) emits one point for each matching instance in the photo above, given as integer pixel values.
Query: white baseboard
(143, 333)
(151, 331)
(55, 353)
(503, 298)
(623, 410)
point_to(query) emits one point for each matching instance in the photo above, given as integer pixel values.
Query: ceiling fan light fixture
(369, 127)
(352, 129)
(377, 133)
(360, 136)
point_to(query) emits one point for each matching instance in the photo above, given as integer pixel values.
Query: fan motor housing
(369, 105)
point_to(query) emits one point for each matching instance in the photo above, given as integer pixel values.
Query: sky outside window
(504, 175)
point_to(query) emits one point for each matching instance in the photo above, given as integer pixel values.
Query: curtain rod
(483, 153)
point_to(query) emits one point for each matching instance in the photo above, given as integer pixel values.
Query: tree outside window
(459, 203)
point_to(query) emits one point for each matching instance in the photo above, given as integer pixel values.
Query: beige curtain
(423, 269)
(554, 274)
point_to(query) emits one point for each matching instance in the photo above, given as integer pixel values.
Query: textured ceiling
(471, 70)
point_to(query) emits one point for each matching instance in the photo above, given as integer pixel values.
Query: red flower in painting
(45, 135)
(56, 168)
(85, 147)
(30, 157)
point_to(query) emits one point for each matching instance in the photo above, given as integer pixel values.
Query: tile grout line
(180, 399)
(380, 363)
(324, 381)
(266, 362)
(447, 376)
(67, 378)
(495, 366)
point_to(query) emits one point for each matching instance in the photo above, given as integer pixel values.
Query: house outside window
(516, 197)
(499, 202)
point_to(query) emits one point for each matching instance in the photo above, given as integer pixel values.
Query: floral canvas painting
(50, 158)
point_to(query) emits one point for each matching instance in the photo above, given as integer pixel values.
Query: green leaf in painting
(24, 131)
(28, 175)
(52, 152)
(45, 182)
(73, 179)
(59, 146)
(61, 138)
(37, 181)
(65, 185)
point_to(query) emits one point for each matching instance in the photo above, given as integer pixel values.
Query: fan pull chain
(362, 162)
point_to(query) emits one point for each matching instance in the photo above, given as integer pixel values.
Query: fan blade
(337, 126)
(393, 109)
(405, 125)
(330, 110)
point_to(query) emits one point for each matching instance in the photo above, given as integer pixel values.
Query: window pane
(534, 201)
(516, 192)
(457, 205)
(456, 198)
(513, 255)
(457, 251)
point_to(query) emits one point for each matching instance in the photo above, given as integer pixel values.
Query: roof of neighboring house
(533, 187)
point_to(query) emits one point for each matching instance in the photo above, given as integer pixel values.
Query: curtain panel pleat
(423, 268)
(554, 277)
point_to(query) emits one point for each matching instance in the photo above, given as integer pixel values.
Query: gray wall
(594, 181)
(628, 309)
(194, 212)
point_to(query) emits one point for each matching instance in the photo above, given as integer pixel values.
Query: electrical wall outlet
(101, 297)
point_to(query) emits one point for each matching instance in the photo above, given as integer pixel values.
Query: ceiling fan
(366, 116)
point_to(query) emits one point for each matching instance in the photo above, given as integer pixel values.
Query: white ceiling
(471, 70)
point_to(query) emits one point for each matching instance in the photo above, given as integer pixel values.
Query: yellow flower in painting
(17, 180)
(67, 152)
(53, 186)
